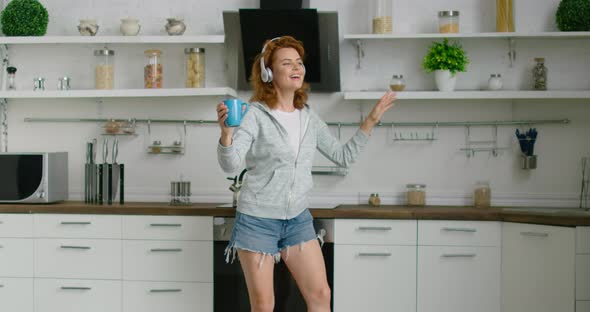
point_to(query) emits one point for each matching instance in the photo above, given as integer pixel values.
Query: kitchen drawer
(16, 257)
(374, 278)
(582, 277)
(583, 239)
(459, 279)
(459, 233)
(74, 295)
(16, 225)
(582, 306)
(77, 226)
(16, 294)
(178, 261)
(168, 227)
(375, 232)
(78, 258)
(166, 296)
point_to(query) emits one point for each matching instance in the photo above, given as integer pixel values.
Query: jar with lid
(397, 83)
(495, 82)
(416, 194)
(104, 69)
(11, 77)
(152, 72)
(448, 21)
(374, 200)
(540, 74)
(195, 67)
(482, 195)
(381, 17)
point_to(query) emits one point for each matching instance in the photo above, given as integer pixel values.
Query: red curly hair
(265, 92)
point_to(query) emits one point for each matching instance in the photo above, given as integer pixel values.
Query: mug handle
(247, 107)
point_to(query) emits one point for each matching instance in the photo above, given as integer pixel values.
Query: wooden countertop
(508, 214)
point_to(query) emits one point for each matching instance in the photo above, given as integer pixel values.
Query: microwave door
(20, 176)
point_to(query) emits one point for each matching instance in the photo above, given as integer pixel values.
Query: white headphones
(266, 72)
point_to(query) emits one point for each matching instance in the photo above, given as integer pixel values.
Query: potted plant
(573, 15)
(445, 60)
(24, 18)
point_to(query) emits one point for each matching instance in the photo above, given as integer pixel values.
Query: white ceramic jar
(130, 26)
(495, 82)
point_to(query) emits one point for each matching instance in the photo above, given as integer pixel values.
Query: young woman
(277, 139)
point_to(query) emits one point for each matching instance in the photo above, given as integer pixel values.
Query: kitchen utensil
(115, 170)
(93, 173)
(585, 183)
(122, 184)
(103, 178)
(87, 171)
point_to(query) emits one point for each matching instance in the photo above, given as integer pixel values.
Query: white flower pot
(444, 80)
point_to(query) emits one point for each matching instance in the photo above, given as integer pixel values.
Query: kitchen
(446, 161)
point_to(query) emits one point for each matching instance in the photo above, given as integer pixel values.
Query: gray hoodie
(278, 180)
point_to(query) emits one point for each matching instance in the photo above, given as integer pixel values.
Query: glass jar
(195, 67)
(104, 70)
(495, 82)
(416, 194)
(152, 72)
(504, 16)
(11, 77)
(540, 75)
(39, 84)
(374, 200)
(448, 21)
(381, 17)
(397, 83)
(482, 195)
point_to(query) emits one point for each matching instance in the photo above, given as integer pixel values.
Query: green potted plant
(445, 60)
(573, 15)
(24, 18)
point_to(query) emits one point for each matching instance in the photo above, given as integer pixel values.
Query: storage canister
(416, 194)
(152, 72)
(195, 67)
(104, 70)
(448, 21)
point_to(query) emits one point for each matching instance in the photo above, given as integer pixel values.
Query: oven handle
(320, 236)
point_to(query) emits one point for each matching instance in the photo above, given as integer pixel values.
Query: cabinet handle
(166, 224)
(459, 255)
(74, 247)
(75, 288)
(374, 228)
(374, 254)
(75, 223)
(1, 246)
(1, 286)
(166, 249)
(536, 234)
(165, 290)
(1, 222)
(451, 229)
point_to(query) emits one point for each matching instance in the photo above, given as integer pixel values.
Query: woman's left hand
(385, 103)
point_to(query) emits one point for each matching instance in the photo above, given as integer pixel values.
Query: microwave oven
(33, 177)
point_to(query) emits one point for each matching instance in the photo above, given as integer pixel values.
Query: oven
(229, 286)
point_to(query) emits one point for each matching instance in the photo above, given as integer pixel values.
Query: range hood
(246, 31)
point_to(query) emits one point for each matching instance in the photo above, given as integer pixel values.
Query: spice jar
(482, 195)
(374, 200)
(495, 82)
(39, 84)
(152, 72)
(11, 77)
(416, 194)
(540, 74)
(381, 19)
(104, 70)
(195, 67)
(448, 21)
(397, 83)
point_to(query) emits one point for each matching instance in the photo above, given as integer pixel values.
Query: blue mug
(235, 111)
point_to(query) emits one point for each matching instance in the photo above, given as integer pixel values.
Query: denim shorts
(269, 236)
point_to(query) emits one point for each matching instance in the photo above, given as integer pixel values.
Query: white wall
(385, 167)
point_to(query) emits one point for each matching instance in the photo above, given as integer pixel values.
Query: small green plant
(24, 18)
(573, 15)
(445, 56)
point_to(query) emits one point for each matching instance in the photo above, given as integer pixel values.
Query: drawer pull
(1, 246)
(74, 247)
(459, 255)
(374, 254)
(75, 223)
(450, 229)
(374, 228)
(75, 288)
(1, 286)
(1, 222)
(536, 234)
(166, 250)
(164, 290)
(167, 224)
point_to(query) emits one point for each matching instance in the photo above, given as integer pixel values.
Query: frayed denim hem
(231, 251)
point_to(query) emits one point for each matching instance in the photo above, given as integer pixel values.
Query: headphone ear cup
(269, 73)
(263, 72)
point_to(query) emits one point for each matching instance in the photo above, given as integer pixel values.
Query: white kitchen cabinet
(583, 269)
(77, 226)
(16, 294)
(582, 306)
(166, 296)
(16, 257)
(15, 225)
(538, 264)
(73, 295)
(168, 228)
(374, 265)
(459, 233)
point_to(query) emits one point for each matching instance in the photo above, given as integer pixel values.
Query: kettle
(236, 186)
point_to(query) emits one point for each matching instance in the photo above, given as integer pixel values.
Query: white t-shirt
(292, 122)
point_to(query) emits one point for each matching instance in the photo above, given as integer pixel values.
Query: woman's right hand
(226, 132)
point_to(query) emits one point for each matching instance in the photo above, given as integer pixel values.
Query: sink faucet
(236, 186)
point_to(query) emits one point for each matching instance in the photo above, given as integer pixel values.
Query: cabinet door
(16, 257)
(537, 268)
(164, 296)
(16, 225)
(458, 279)
(16, 294)
(71, 295)
(582, 306)
(374, 278)
(582, 277)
